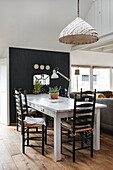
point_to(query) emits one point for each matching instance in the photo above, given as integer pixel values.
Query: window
(94, 78)
(85, 77)
(100, 80)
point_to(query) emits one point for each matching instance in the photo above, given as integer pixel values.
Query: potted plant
(38, 87)
(54, 92)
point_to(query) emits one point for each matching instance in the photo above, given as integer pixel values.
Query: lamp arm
(63, 76)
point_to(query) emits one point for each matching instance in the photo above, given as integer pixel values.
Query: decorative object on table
(36, 66)
(78, 32)
(77, 73)
(38, 87)
(55, 76)
(54, 92)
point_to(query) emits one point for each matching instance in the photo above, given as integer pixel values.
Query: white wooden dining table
(61, 108)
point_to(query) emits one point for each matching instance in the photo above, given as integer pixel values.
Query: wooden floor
(11, 157)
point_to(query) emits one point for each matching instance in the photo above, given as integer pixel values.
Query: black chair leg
(16, 122)
(91, 144)
(46, 130)
(21, 122)
(17, 125)
(81, 139)
(28, 136)
(68, 133)
(61, 139)
(46, 134)
(36, 129)
(73, 148)
(86, 137)
(42, 139)
(23, 138)
(37, 113)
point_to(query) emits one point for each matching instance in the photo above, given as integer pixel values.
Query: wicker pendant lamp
(78, 32)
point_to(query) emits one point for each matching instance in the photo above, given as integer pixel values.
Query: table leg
(96, 139)
(57, 138)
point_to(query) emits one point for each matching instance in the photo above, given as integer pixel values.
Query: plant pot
(54, 95)
(36, 91)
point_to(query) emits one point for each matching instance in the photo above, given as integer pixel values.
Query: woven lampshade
(78, 32)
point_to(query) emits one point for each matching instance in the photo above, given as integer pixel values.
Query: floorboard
(11, 157)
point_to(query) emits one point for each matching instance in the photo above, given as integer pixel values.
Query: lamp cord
(78, 8)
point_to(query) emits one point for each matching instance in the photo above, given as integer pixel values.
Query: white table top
(58, 105)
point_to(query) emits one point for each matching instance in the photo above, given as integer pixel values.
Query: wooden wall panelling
(105, 17)
(100, 16)
(111, 16)
(21, 62)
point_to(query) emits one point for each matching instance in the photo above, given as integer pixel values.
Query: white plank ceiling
(37, 23)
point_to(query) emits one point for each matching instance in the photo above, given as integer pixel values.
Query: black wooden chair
(87, 95)
(81, 123)
(27, 110)
(29, 124)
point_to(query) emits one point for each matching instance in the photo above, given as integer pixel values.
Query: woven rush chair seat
(68, 125)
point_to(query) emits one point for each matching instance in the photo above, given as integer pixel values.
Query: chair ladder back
(94, 109)
(21, 106)
(24, 102)
(74, 115)
(25, 94)
(83, 116)
(17, 101)
(87, 95)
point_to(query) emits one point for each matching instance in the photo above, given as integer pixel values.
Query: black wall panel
(21, 71)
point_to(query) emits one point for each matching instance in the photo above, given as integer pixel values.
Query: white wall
(100, 16)
(91, 58)
(4, 110)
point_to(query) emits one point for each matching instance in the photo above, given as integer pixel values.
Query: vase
(54, 95)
